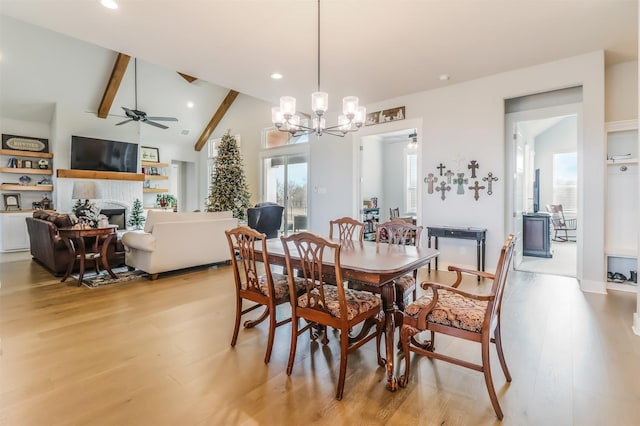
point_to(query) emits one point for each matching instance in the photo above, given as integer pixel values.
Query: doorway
(388, 169)
(285, 179)
(544, 156)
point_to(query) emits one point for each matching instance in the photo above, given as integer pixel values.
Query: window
(411, 179)
(565, 181)
(273, 138)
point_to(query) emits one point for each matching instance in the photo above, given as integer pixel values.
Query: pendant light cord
(318, 45)
(135, 80)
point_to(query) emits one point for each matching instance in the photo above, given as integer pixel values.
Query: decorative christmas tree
(228, 190)
(136, 220)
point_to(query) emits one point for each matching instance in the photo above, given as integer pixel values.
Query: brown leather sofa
(48, 249)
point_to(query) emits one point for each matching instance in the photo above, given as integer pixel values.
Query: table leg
(103, 255)
(436, 256)
(389, 306)
(483, 252)
(72, 254)
(82, 252)
(478, 257)
(429, 246)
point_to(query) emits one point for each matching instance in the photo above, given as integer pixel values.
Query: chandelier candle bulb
(319, 102)
(361, 115)
(349, 106)
(277, 117)
(288, 106)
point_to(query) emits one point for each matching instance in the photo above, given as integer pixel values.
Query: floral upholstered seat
(280, 285)
(357, 301)
(451, 309)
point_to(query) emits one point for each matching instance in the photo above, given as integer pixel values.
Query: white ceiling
(375, 49)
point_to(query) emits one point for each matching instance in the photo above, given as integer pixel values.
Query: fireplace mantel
(94, 174)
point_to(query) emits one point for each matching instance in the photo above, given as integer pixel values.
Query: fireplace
(116, 217)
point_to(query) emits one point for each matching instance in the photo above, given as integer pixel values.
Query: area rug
(103, 279)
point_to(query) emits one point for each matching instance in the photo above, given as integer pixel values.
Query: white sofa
(173, 241)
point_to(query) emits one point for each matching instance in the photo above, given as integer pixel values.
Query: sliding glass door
(285, 182)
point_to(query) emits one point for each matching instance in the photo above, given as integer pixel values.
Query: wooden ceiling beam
(119, 68)
(215, 120)
(187, 77)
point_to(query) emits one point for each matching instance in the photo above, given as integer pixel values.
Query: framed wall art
(11, 201)
(25, 143)
(150, 154)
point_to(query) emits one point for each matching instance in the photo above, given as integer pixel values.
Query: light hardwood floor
(157, 353)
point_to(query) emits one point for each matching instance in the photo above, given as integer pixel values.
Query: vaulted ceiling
(376, 49)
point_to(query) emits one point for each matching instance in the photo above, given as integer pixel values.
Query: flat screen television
(103, 155)
(536, 191)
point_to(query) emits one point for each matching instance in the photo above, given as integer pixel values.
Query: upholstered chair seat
(452, 310)
(280, 285)
(358, 302)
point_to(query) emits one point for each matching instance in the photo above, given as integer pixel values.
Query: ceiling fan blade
(123, 122)
(162, 118)
(162, 126)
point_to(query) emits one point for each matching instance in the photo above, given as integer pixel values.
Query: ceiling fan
(135, 114)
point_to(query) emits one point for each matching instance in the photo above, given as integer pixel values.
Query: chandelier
(285, 119)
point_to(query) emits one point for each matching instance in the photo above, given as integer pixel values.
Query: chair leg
(486, 369)
(236, 326)
(379, 329)
(406, 334)
(503, 362)
(272, 332)
(294, 342)
(344, 344)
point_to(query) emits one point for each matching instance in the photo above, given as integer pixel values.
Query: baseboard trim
(636, 323)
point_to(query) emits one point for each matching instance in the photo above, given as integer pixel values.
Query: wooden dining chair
(401, 232)
(348, 229)
(448, 310)
(268, 289)
(394, 212)
(328, 305)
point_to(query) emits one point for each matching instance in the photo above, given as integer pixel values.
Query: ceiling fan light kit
(140, 116)
(285, 119)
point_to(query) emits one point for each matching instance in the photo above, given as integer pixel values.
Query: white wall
(621, 91)
(466, 120)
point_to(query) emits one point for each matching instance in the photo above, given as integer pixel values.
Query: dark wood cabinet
(536, 235)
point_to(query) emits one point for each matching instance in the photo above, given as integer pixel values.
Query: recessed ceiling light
(444, 77)
(109, 4)
(189, 104)
(276, 76)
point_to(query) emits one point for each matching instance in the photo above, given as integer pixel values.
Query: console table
(478, 234)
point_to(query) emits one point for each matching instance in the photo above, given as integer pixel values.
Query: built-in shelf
(621, 162)
(156, 177)
(25, 153)
(23, 171)
(627, 286)
(18, 187)
(154, 164)
(94, 174)
(157, 190)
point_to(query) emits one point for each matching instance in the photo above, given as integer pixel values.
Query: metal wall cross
(430, 180)
(460, 181)
(441, 167)
(473, 165)
(476, 188)
(489, 179)
(442, 188)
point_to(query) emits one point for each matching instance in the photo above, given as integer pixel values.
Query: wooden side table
(74, 240)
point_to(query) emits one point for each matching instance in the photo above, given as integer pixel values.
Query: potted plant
(166, 201)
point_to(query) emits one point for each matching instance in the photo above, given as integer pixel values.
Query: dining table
(376, 265)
